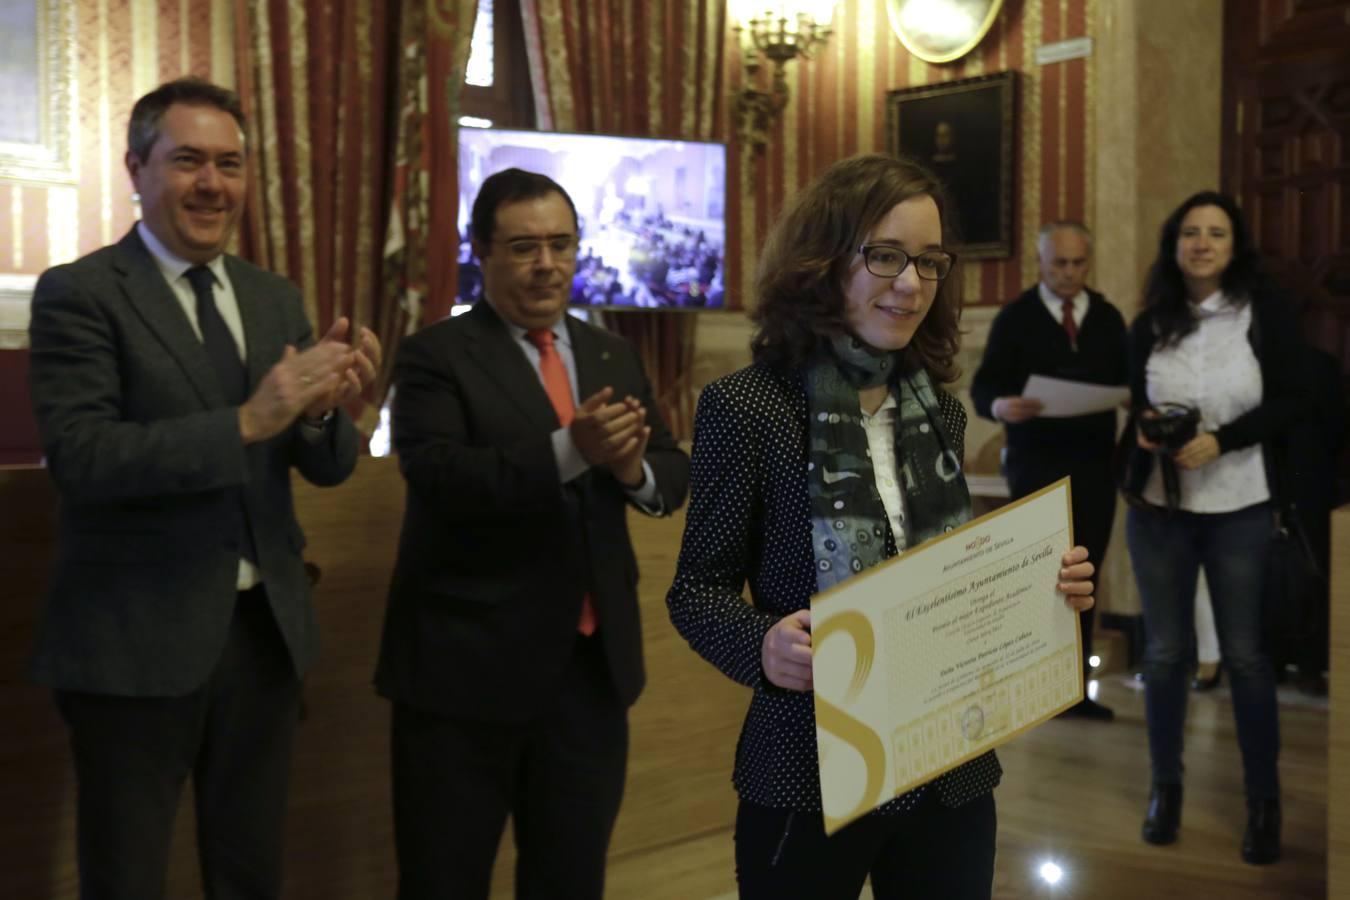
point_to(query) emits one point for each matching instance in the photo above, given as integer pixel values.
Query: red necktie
(1070, 326)
(559, 390)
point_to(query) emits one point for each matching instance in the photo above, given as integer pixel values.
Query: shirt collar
(1215, 304)
(172, 265)
(559, 329)
(886, 405)
(1080, 299)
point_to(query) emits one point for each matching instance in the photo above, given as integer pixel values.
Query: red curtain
(640, 68)
(350, 106)
(422, 236)
(313, 79)
(446, 38)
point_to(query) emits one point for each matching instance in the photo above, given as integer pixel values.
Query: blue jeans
(1167, 551)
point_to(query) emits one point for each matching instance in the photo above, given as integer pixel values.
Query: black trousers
(233, 736)
(559, 776)
(1092, 492)
(930, 851)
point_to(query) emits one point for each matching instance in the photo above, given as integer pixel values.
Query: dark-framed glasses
(886, 261)
(525, 250)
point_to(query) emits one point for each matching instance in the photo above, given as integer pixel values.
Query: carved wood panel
(1286, 153)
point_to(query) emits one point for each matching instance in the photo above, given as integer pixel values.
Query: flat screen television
(652, 213)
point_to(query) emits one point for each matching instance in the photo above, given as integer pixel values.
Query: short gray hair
(1050, 228)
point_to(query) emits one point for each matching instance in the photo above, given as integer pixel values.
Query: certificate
(943, 653)
(1072, 398)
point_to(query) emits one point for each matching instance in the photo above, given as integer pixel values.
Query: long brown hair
(798, 284)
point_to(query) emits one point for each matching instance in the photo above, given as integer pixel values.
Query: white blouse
(1215, 370)
(880, 428)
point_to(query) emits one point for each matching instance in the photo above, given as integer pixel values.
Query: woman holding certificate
(1216, 382)
(833, 451)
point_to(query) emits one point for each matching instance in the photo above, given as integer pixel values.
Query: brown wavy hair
(799, 281)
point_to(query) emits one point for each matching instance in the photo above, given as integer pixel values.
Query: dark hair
(510, 186)
(798, 285)
(1165, 290)
(146, 115)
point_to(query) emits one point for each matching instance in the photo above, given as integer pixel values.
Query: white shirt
(1215, 370)
(174, 270)
(1055, 304)
(880, 428)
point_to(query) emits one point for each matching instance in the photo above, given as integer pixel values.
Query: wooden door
(1286, 155)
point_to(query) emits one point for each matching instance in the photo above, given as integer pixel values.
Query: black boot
(1164, 814)
(1261, 843)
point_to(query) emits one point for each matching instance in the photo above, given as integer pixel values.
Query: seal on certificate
(972, 722)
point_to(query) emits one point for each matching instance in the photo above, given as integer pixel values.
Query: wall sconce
(779, 30)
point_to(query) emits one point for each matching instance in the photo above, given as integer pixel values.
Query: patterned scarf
(848, 519)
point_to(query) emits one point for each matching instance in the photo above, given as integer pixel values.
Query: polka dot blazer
(749, 520)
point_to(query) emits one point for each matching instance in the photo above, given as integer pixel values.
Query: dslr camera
(1172, 425)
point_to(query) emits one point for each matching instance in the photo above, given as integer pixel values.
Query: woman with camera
(1214, 379)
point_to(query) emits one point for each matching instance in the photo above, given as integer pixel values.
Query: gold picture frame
(37, 91)
(945, 35)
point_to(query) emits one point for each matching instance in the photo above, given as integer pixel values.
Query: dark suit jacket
(149, 465)
(496, 554)
(750, 522)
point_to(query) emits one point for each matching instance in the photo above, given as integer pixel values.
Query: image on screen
(651, 211)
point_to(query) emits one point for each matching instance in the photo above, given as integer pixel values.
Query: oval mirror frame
(925, 48)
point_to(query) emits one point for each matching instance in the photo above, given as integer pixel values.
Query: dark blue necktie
(230, 372)
(220, 346)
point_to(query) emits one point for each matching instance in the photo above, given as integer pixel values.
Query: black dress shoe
(1088, 709)
(1261, 843)
(1164, 814)
(1207, 679)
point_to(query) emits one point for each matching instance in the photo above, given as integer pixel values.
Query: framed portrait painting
(963, 130)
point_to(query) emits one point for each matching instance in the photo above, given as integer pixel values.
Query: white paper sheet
(1072, 398)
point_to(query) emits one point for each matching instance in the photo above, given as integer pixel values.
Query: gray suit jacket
(149, 466)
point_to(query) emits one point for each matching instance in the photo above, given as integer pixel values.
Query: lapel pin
(604, 354)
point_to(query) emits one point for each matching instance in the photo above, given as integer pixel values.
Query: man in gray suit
(175, 387)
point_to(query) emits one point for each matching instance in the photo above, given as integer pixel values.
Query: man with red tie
(1062, 329)
(512, 644)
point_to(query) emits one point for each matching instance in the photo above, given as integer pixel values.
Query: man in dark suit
(1062, 329)
(175, 387)
(512, 646)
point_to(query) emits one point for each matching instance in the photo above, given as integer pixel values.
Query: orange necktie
(1070, 325)
(559, 390)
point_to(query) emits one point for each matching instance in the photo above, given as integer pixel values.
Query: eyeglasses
(885, 261)
(523, 250)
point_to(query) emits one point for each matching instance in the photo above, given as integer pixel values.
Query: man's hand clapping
(365, 363)
(310, 382)
(613, 435)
